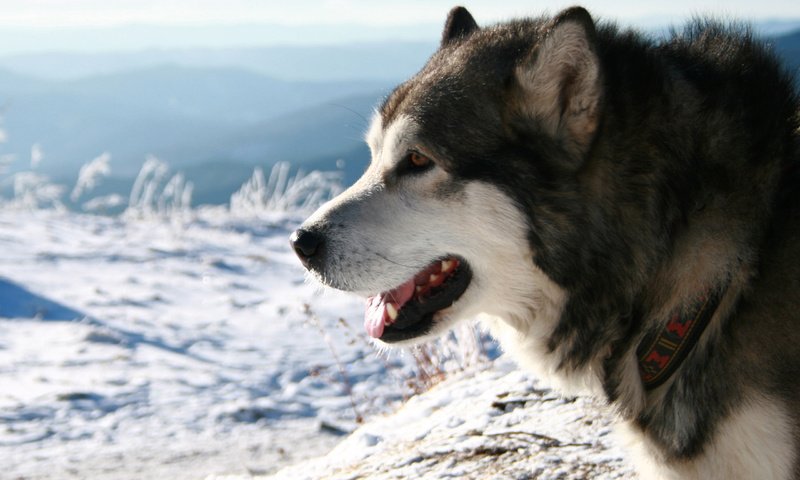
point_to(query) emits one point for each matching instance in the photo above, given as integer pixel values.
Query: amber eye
(414, 163)
(418, 160)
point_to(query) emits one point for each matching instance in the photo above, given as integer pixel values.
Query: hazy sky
(50, 13)
(37, 25)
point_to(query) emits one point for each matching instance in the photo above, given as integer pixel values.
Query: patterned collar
(660, 355)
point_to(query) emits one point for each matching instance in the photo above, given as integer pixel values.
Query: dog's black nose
(306, 244)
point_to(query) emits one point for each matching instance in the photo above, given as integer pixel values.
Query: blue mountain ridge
(214, 123)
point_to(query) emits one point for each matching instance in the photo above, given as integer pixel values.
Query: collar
(661, 354)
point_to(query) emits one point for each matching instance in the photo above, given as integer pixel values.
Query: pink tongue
(376, 317)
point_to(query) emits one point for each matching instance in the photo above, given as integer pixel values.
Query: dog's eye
(418, 160)
(415, 162)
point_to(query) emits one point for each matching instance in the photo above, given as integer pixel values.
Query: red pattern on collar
(664, 354)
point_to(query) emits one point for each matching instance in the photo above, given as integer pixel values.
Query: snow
(496, 422)
(134, 346)
(147, 348)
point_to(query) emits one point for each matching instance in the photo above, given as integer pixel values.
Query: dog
(622, 212)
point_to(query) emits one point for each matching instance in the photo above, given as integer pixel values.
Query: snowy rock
(493, 423)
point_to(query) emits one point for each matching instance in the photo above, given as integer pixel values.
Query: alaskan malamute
(623, 213)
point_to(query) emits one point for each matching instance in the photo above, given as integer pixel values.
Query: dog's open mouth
(407, 311)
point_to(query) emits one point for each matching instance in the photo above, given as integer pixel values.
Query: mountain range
(213, 114)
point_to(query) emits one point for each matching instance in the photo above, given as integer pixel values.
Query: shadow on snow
(18, 302)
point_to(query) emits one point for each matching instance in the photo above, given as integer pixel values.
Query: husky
(622, 212)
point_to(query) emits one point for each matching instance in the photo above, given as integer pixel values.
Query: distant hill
(222, 94)
(213, 114)
(381, 61)
(312, 139)
(184, 115)
(788, 47)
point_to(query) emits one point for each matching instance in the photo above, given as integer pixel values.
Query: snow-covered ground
(194, 349)
(145, 349)
(493, 423)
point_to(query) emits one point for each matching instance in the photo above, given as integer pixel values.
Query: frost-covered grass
(282, 192)
(155, 196)
(158, 192)
(90, 174)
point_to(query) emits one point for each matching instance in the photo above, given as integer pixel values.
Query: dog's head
(469, 159)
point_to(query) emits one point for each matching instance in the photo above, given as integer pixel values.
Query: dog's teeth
(419, 289)
(433, 278)
(392, 311)
(447, 265)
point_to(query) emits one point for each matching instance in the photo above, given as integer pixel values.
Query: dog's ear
(559, 82)
(460, 24)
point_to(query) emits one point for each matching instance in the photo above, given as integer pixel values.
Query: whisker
(383, 257)
(358, 114)
(393, 262)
